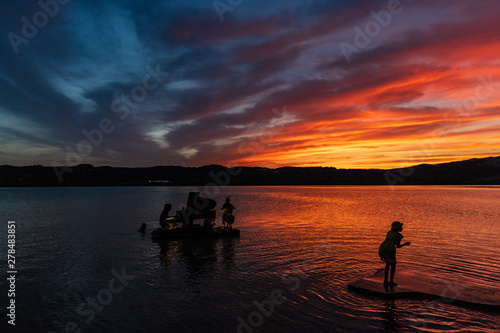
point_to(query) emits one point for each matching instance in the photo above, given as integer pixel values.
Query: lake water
(83, 266)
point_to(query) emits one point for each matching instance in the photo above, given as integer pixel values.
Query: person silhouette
(167, 222)
(227, 216)
(208, 224)
(387, 251)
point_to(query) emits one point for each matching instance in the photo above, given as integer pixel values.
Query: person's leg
(386, 272)
(393, 272)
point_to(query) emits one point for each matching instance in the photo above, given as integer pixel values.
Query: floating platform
(192, 232)
(415, 284)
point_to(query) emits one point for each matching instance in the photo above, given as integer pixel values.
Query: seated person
(166, 221)
(208, 224)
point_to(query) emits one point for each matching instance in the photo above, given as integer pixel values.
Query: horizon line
(246, 166)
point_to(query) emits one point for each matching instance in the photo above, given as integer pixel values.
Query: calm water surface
(300, 246)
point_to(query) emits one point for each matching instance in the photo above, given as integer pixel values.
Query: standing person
(227, 216)
(387, 251)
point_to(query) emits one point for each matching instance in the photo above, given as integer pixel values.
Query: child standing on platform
(387, 251)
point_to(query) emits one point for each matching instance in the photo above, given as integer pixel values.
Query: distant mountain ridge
(484, 171)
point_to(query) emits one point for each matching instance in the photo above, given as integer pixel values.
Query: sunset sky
(349, 84)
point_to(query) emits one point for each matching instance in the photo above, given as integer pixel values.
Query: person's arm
(398, 245)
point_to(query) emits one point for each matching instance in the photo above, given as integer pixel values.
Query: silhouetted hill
(484, 171)
(473, 172)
